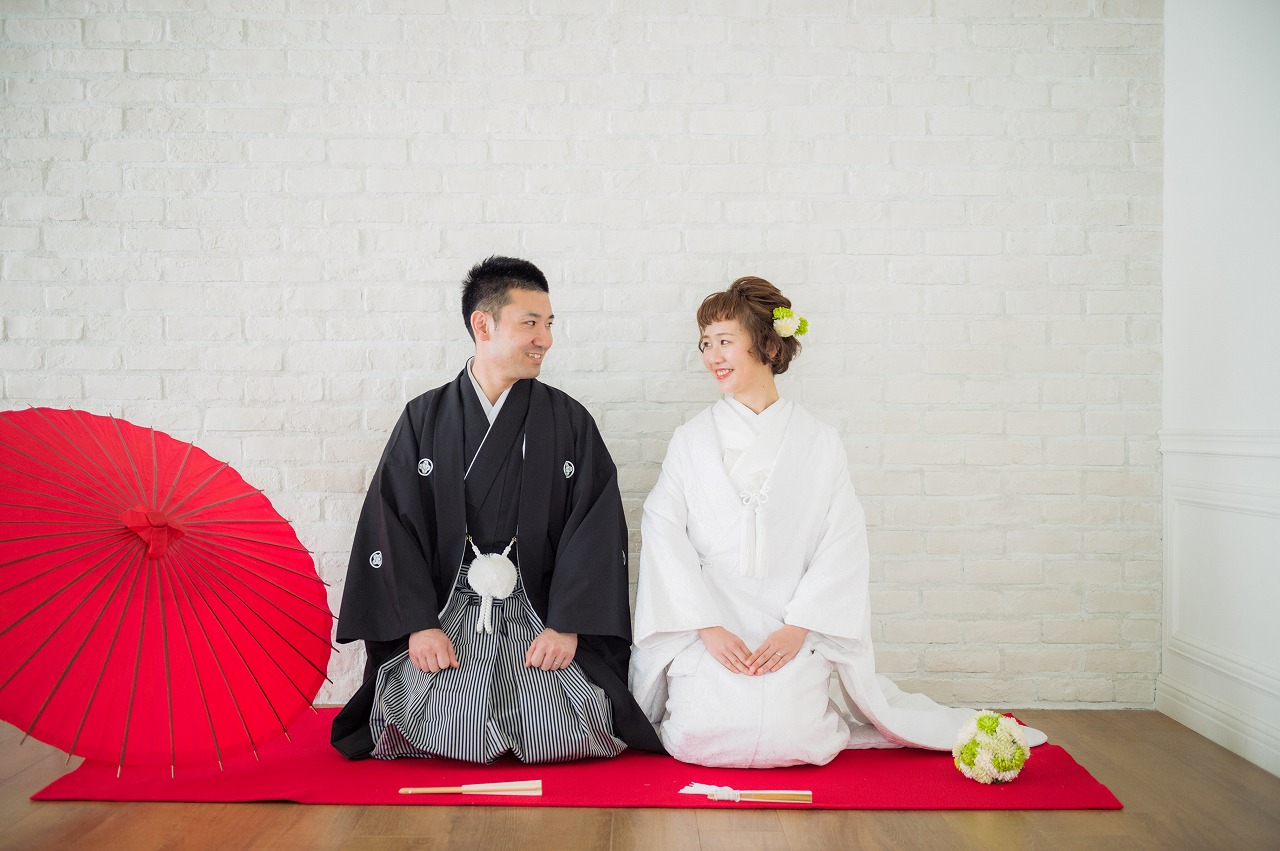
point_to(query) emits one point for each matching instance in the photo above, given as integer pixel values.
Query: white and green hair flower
(787, 324)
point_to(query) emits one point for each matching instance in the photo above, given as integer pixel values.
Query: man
(488, 575)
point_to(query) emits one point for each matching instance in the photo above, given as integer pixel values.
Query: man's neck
(493, 386)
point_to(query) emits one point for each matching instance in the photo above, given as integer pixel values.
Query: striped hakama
(491, 704)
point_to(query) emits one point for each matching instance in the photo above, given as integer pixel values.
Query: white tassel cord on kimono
(514, 787)
(493, 577)
(727, 793)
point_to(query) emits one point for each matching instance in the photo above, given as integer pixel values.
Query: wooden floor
(1179, 791)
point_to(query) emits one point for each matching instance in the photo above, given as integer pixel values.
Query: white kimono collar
(491, 409)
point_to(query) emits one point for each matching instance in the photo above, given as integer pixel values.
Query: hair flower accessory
(991, 748)
(787, 324)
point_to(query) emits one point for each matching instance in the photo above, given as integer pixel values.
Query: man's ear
(481, 325)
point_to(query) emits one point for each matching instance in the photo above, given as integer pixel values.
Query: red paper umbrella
(154, 608)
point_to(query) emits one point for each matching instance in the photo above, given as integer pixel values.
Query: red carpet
(307, 770)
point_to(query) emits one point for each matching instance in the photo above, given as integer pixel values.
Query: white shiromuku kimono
(754, 524)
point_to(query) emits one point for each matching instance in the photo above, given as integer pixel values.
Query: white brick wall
(244, 223)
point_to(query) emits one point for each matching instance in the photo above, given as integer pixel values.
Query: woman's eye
(703, 346)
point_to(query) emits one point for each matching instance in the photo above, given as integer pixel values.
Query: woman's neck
(758, 398)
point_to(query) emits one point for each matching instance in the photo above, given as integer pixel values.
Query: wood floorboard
(671, 830)
(1179, 790)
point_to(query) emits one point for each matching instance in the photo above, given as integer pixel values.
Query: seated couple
(488, 576)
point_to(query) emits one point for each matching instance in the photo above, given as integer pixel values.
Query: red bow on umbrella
(154, 608)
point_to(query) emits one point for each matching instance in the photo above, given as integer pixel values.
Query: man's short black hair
(488, 285)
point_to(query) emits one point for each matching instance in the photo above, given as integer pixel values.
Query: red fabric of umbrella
(154, 608)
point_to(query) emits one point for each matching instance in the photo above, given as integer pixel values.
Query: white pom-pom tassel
(493, 577)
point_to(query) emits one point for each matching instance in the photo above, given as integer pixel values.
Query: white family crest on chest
(425, 467)
(568, 469)
(375, 560)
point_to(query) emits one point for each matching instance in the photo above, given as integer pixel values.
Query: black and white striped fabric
(491, 704)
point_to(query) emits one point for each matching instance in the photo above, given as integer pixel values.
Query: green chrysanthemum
(991, 748)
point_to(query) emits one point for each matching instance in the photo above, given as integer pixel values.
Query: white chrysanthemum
(991, 748)
(786, 326)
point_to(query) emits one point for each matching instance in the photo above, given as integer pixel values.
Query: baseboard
(1248, 737)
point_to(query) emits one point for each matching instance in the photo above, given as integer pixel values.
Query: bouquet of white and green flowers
(991, 748)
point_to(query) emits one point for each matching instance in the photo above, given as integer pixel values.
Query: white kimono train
(754, 524)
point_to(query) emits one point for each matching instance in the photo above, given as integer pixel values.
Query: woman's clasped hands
(779, 648)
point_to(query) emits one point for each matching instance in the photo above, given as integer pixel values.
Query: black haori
(411, 537)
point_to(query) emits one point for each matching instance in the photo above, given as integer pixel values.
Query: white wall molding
(1248, 444)
(1221, 722)
(1220, 674)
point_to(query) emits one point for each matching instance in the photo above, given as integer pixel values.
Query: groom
(493, 459)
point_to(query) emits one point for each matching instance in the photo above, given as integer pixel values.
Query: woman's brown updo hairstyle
(750, 302)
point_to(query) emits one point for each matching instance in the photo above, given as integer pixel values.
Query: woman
(753, 572)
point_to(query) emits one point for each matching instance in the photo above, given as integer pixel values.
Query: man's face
(512, 344)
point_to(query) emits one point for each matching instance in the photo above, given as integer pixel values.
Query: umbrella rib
(61, 473)
(123, 539)
(174, 510)
(99, 533)
(213, 541)
(133, 463)
(287, 643)
(92, 496)
(51, 510)
(83, 643)
(205, 632)
(262, 691)
(264, 542)
(102, 671)
(191, 650)
(121, 549)
(208, 505)
(155, 467)
(112, 482)
(203, 546)
(215, 520)
(177, 476)
(137, 661)
(77, 608)
(168, 670)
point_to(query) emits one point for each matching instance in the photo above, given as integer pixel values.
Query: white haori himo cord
(493, 577)
(727, 793)
(753, 552)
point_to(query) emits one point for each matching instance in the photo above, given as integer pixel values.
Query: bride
(754, 572)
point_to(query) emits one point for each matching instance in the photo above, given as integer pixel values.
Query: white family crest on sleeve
(568, 469)
(425, 467)
(375, 560)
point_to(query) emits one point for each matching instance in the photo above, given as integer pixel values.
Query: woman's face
(728, 356)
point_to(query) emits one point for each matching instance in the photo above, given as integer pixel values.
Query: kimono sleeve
(672, 596)
(389, 591)
(588, 591)
(832, 597)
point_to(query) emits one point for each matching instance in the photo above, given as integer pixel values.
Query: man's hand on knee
(551, 650)
(431, 650)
